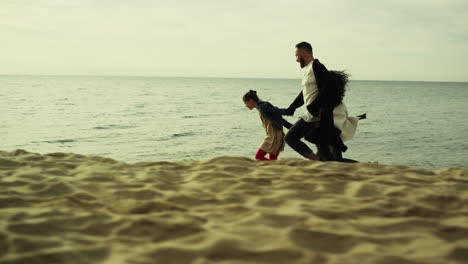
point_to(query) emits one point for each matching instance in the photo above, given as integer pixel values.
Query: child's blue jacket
(273, 114)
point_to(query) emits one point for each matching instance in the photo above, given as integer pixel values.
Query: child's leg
(274, 156)
(260, 155)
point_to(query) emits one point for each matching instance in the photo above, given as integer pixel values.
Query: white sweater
(343, 122)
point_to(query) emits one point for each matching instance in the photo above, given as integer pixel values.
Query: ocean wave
(61, 141)
(187, 134)
(173, 136)
(113, 127)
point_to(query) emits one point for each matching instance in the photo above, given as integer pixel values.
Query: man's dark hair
(305, 46)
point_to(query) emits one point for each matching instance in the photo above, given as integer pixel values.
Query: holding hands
(288, 111)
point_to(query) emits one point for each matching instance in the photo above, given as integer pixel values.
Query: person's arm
(298, 102)
(286, 124)
(314, 107)
(271, 110)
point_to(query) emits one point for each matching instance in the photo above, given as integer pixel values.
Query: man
(322, 93)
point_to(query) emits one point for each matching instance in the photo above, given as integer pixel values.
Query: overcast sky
(420, 40)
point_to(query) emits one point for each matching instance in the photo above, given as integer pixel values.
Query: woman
(273, 123)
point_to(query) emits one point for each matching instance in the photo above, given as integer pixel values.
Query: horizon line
(203, 77)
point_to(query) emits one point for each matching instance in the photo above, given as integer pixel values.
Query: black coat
(330, 95)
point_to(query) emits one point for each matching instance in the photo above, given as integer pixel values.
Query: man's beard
(302, 62)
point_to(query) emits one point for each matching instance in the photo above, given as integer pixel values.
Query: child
(273, 123)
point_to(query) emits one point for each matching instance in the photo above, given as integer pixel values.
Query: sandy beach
(70, 208)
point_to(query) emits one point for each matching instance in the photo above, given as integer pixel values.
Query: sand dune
(69, 208)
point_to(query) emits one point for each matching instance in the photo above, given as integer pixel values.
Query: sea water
(133, 119)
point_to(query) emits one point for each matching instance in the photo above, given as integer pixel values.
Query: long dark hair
(251, 94)
(336, 87)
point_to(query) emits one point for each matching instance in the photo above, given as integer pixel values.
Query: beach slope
(70, 208)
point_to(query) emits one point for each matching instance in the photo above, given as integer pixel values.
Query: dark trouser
(297, 132)
(329, 153)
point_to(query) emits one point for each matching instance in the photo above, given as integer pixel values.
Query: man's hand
(288, 111)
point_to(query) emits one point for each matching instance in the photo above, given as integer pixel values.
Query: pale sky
(418, 40)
